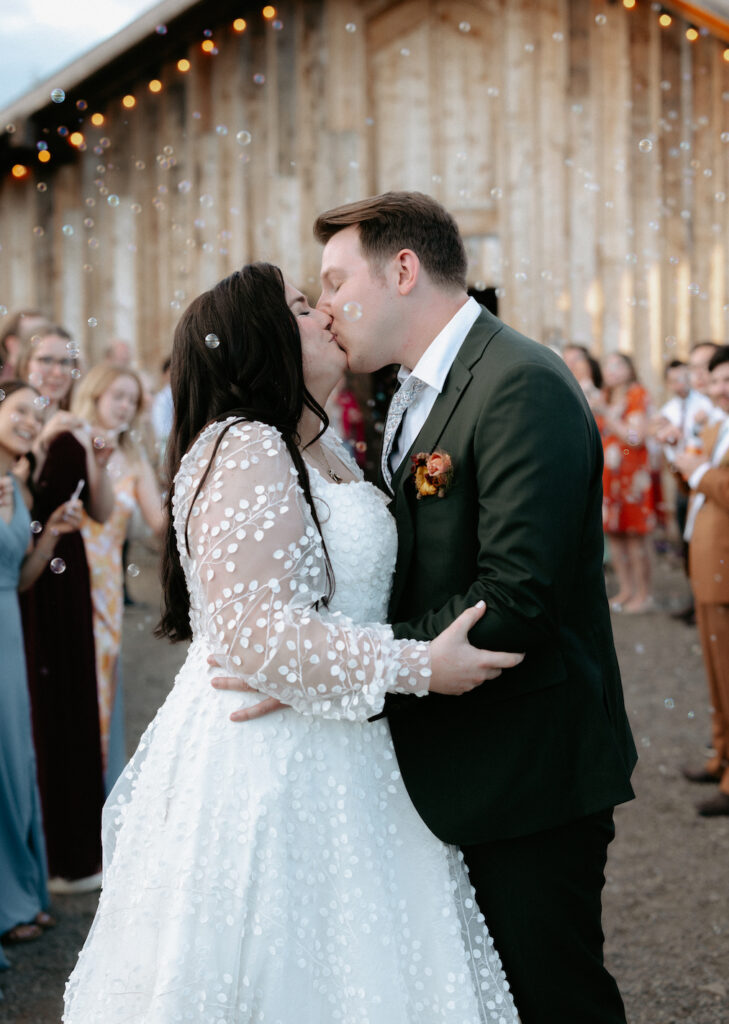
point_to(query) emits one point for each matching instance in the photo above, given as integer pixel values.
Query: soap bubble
(496, 193)
(184, 187)
(212, 340)
(669, 703)
(58, 96)
(99, 443)
(600, 19)
(277, 25)
(92, 321)
(76, 373)
(36, 527)
(464, 26)
(38, 231)
(132, 570)
(243, 138)
(724, 136)
(112, 200)
(645, 145)
(350, 27)
(67, 230)
(221, 129)
(259, 79)
(206, 200)
(57, 566)
(352, 311)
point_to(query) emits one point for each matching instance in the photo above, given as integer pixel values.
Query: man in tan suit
(707, 531)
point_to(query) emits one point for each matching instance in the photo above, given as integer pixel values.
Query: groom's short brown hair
(402, 220)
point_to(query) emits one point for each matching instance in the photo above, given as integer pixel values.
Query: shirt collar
(433, 366)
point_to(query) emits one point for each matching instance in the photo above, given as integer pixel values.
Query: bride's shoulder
(220, 434)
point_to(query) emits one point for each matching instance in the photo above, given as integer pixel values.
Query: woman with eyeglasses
(58, 623)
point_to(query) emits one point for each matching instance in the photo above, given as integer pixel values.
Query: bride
(279, 874)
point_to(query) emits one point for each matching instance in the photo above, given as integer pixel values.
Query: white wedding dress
(275, 872)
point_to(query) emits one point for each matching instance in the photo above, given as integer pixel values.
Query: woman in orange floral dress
(629, 514)
(109, 399)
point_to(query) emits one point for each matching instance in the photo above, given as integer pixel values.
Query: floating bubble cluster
(212, 340)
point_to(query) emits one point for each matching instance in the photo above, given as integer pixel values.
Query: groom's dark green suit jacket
(520, 527)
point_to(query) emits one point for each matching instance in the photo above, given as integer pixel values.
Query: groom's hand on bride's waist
(264, 707)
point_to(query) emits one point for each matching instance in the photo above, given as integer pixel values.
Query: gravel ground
(667, 892)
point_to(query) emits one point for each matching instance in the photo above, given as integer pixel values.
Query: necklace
(330, 472)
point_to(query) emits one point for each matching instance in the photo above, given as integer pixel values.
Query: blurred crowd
(81, 454)
(666, 475)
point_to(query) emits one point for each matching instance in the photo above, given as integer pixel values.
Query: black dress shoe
(718, 804)
(699, 775)
(687, 615)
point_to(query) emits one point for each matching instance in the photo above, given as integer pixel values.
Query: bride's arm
(260, 562)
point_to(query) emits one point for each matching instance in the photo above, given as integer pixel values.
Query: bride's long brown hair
(254, 373)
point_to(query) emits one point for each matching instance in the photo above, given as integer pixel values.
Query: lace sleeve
(259, 565)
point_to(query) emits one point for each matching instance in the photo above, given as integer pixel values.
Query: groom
(523, 772)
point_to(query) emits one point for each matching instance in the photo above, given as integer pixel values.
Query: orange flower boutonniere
(432, 473)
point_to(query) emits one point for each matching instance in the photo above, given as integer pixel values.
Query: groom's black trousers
(541, 897)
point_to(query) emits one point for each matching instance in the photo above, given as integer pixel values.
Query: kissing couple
(412, 825)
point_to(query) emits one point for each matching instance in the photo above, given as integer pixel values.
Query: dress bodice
(361, 539)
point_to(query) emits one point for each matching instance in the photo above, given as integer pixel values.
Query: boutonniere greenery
(432, 473)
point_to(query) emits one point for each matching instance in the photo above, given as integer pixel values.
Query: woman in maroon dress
(57, 621)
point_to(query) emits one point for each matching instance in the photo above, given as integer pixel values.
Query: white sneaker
(64, 887)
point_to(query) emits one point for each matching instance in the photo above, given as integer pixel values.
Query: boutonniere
(432, 473)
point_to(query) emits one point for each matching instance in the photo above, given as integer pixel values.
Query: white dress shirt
(681, 412)
(432, 368)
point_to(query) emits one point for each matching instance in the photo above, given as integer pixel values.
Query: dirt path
(667, 892)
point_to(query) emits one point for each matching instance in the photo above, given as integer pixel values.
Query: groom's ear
(407, 270)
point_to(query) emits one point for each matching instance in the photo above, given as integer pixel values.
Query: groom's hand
(264, 707)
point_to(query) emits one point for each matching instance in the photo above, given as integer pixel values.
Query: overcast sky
(41, 36)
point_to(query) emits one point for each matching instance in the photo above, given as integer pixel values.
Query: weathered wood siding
(583, 149)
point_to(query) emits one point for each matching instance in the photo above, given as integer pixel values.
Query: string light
(76, 139)
(155, 85)
(44, 156)
(207, 45)
(629, 4)
(129, 102)
(726, 55)
(691, 34)
(269, 12)
(20, 171)
(183, 65)
(665, 20)
(97, 120)
(239, 25)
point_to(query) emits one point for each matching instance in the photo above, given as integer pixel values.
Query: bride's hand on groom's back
(459, 667)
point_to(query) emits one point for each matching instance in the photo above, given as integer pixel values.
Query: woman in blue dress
(23, 894)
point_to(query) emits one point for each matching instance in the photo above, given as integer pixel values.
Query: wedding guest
(587, 371)
(110, 399)
(675, 428)
(58, 624)
(629, 513)
(13, 326)
(162, 409)
(23, 893)
(707, 531)
(119, 352)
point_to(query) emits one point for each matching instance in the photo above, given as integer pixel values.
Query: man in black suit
(523, 773)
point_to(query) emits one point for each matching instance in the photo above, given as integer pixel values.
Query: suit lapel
(458, 379)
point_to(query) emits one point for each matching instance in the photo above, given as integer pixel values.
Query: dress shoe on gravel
(699, 775)
(718, 804)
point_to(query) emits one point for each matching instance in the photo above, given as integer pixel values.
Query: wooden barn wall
(583, 149)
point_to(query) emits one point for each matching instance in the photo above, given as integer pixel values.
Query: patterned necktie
(401, 401)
